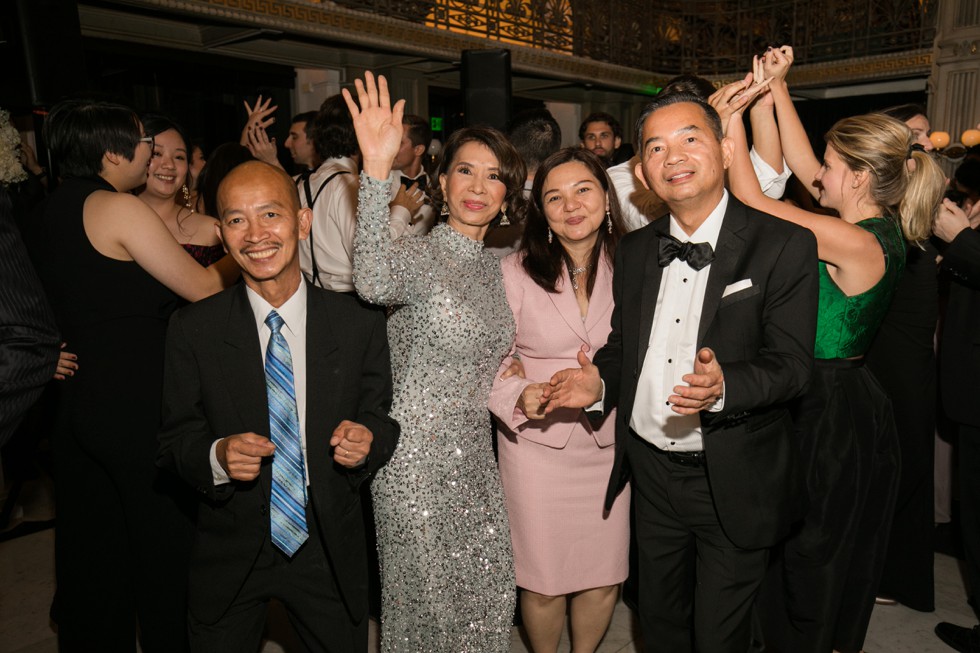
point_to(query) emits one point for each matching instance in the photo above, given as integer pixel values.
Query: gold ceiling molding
(328, 21)
(884, 66)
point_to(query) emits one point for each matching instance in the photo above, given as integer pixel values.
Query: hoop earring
(549, 235)
(186, 194)
(444, 212)
(504, 220)
(608, 221)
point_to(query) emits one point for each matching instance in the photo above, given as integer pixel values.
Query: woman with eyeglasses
(114, 274)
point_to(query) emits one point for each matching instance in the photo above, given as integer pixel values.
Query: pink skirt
(563, 541)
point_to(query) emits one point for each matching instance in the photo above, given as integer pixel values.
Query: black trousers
(696, 588)
(122, 542)
(969, 469)
(305, 585)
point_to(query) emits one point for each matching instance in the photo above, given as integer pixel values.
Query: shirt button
(678, 320)
(667, 403)
(670, 360)
(685, 280)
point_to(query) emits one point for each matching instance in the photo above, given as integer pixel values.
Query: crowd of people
(692, 381)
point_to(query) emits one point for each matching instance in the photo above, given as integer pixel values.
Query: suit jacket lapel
(242, 363)
(727, 254)
(567, 306)
(652, 274)
(322, 351)
(600, 301)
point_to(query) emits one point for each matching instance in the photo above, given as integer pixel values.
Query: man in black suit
(241, 426)
(730, 293)
(959, 382)
(28, 336)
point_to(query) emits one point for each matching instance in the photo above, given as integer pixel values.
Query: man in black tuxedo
(231, 388)
(730, 293)
(959, 383)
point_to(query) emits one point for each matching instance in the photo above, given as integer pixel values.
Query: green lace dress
(820, 597)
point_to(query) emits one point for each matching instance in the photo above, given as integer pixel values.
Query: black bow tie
(697, 255)
(408, 181)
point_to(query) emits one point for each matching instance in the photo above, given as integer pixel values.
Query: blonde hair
(882, 146)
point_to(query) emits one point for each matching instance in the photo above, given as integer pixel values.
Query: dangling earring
(549, 235)
(186, 193)
(444, 212)
(608, 221)
(504, 220)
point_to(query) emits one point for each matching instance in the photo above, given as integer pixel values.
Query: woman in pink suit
(568, 552)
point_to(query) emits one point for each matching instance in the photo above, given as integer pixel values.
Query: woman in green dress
(821, 591)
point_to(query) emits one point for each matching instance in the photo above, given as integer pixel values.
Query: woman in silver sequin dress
(447, 571)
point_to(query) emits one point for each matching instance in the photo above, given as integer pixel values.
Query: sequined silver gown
(447, 569)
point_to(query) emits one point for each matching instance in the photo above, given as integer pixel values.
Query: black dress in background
(903, 359)
(122, 536)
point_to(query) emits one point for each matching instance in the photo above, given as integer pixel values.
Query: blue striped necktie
(288, 483)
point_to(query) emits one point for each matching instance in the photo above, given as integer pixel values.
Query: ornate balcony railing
(708, 37)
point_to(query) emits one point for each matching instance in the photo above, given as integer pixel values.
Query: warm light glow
(939, 139)
(970, 137)
(514, 25)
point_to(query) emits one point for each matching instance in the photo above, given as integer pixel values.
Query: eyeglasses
(149, 140)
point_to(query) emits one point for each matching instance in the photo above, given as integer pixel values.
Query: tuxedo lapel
(727, 254)
(652, 274)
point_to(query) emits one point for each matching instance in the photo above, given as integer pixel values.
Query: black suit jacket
(763, 337)
(29, 340)
(214, 386)
(959, 356)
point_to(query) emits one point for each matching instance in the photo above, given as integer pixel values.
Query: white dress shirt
(673, 345)
(293, 314)
(334, 221)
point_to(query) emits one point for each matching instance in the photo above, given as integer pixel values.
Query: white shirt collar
(292, 312)
(709, 229)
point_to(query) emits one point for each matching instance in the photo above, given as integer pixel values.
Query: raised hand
(950, 221)
(764, 99)
(259, 117)
(734, 97)
(777, 62)
(573, 388)
(262, 147)
(378, 125)
(704, 387)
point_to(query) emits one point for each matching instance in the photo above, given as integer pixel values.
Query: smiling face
(575, 204)
(600, 139)
(682, 160)
(167, 172)
(473, 189)
(834, 180)
(260, 225)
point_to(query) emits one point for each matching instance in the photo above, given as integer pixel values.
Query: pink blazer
(550, 332)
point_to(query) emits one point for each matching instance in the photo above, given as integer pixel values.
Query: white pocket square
(735, 287)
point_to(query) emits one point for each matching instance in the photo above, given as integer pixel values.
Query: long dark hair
(543, 261)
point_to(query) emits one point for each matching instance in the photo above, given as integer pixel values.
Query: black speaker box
(486, 87)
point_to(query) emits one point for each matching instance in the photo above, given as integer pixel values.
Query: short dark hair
(536, 135)
(155, 124)
(307, 117)
(419, 131)
(600, 116)
(691, 84)
(80, 132)
(543, 260)
(333, 129)
(667, 99)
(905, 112)
(512, 170)
(224, 159)
(968, 175)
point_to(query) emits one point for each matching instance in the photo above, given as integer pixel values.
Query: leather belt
(686, 458)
